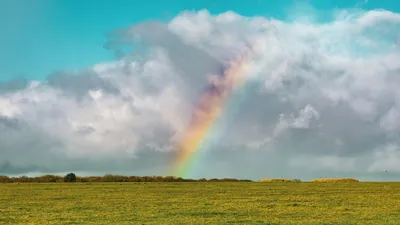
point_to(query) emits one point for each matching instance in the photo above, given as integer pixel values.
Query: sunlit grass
(200, 203)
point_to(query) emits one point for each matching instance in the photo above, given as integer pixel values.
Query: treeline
(276, 180)
(71, 177)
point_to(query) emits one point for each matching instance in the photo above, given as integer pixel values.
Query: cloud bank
(322, 99)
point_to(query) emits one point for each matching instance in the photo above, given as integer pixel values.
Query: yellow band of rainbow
(208, 109)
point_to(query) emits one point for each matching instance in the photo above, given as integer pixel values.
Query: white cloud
(327, 92)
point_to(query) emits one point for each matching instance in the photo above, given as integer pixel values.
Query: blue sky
(43, 36)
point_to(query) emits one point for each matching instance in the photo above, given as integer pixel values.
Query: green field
(200, 203)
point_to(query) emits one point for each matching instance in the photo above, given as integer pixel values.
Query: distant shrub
(245, 180)
(213, 180)
(4, 179)
(229, 180)
(82, 179)
(49, 178)
(169, 179)
(279, 180)
(113, 178)
(336, 180)
(25, 179)
(71, 177)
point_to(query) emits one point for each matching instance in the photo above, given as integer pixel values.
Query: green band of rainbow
(206, 114)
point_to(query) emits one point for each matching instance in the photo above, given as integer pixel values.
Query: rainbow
(208, 109)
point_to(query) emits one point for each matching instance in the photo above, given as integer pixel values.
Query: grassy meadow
(200, 203)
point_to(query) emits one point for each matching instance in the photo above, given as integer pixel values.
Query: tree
(71, 177)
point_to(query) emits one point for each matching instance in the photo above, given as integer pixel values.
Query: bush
(4, 179)
(49, 178)
(82, 179)
(336, 180)
(113, 178)
(71, 177)
(279, 180)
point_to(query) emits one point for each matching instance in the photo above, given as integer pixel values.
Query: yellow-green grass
(200, 203)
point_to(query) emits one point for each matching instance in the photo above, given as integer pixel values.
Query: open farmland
(200, 203)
